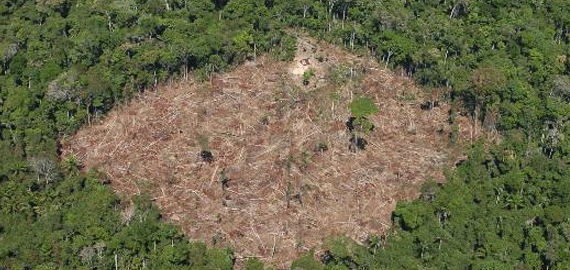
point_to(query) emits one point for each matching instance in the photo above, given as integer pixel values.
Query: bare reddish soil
(272, 191)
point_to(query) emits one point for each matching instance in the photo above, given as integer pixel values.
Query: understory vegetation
(504, 63)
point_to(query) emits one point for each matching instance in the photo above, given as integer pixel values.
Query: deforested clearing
(259, 160)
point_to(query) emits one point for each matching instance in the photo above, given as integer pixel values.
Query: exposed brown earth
(272, 190)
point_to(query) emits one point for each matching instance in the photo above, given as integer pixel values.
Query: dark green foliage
(499, 209)
(306, 262)
(503, 57)
(63, 63)
(507, 63)
(79, 223)
(253, 264)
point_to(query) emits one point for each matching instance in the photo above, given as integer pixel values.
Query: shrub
(308, 75)
(361, 108)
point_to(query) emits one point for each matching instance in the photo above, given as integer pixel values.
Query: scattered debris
(299, 155)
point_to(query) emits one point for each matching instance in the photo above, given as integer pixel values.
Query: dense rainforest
(504, 63)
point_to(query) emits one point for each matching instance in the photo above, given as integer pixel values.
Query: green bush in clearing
(361, 108)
